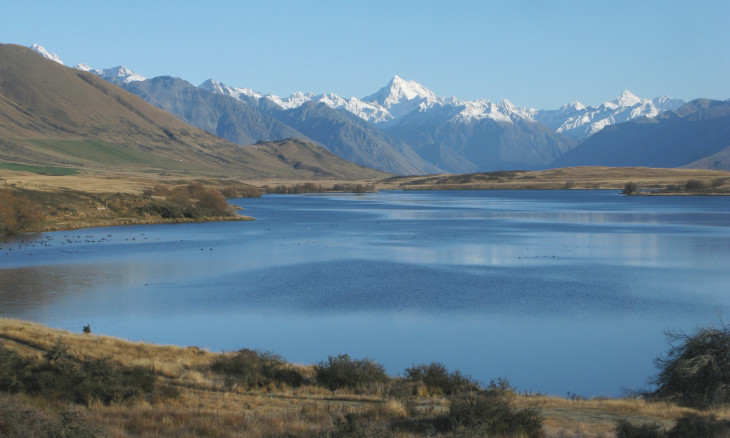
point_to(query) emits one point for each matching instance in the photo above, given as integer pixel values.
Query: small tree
(631, 188)
(695, 186)
(696, 370)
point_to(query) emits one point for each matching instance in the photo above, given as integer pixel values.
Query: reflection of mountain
(24, 290)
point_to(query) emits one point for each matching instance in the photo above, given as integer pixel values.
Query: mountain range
(405, 128)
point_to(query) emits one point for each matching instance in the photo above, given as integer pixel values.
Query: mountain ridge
(55, 115)
(694, 135)
(406, 128)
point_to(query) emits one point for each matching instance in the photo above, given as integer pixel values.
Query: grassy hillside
(51, 115)
(192, 392)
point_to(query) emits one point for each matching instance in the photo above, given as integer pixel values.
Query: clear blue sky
(535, 53)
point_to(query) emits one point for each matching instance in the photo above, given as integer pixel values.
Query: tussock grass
(208, 405)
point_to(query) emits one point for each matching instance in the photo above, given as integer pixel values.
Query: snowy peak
(401, 97)
(399, 91)
(121, 73)
(115, 75)
(578, 121)
(45, 53)
(627, 98)
(573, 106)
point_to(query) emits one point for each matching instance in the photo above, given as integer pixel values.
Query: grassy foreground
(191, 399)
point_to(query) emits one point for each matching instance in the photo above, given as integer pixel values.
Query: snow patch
(45, 53)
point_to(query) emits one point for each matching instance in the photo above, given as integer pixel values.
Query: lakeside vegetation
(25, 210)
(311, 187)
(55, 383)
(718, 186)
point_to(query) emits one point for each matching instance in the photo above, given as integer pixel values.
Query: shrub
(695, 186)
(631, 188)
(342, 372)
(625, 429)
(696, 370)
(58, 376)
(17, 213)
(13, 371)
(688, 426)
(693, 425)
(438, 379)
(192, 201)
(257, 369)
(490, 413)
(212, 202)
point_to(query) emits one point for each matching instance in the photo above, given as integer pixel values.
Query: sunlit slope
(55, 115)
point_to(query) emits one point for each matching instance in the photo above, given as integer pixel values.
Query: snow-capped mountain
(579, 122)
(115, 75)
(401, 98)
(45, 53)
(366, 111)
(404, 127)
(405, 99)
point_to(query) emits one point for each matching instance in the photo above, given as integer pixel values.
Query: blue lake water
(560, 291)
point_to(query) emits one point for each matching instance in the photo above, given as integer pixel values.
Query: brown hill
(55, 115)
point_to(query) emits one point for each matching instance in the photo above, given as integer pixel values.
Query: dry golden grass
(573, 177)
(209, 406)
(557, 179)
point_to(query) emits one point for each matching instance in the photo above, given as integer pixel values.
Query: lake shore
(573, 178)
(82, 200)
(206, 401)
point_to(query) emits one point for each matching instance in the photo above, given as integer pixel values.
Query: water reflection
(547, 288)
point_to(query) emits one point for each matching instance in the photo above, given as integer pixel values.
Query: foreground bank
(178, 391)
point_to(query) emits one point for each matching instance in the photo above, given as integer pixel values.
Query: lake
(559, 291)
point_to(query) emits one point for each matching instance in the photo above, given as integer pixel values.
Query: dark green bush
(14, 371)
(438, 379)
(695, 186)
(490, 413)
(342, 372)
(695, 426)
(696, 370)
(630, 188)
(58, 376)
(688, 426)
(625, 429)
(257, 369)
